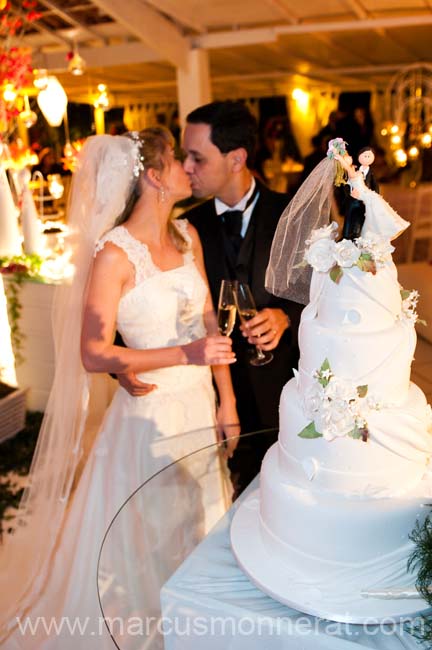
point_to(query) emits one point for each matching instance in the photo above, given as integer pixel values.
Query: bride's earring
(162, 194)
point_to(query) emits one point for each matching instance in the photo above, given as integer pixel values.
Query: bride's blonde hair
(153, 143)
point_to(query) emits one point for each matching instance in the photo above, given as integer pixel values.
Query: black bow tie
(233, 219)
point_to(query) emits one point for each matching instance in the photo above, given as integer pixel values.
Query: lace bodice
(138, 252)
(164, 308)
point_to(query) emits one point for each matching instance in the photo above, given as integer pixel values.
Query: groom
(236, 229)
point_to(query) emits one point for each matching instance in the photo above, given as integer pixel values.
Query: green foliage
(362, 390)
(336, 273)
(366, 263)
(17, 269)
(405, 293)
(420, 562)
(310, 432)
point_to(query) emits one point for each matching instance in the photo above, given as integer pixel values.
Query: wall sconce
(53, 102)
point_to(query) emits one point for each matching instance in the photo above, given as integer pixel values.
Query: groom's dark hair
(231, 124)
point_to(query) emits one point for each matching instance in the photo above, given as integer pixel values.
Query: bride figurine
(380, 218)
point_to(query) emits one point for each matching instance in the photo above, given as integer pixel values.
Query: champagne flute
(247, 310)
(226, 314)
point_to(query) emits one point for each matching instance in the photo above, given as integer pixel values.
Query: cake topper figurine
(354, 208)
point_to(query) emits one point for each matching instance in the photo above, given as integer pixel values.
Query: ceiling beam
(283, 11)
(149, 27)
(105, 56)
(54, 35)
(69, 18)
(230, 38)
(177, 12)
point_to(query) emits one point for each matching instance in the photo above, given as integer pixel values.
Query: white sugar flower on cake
(346, 253)
(326, 232)
(368, 253)
(337, 407)
(410, 299)
(377, 246)
(321, 255)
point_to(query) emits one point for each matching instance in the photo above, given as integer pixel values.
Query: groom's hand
(266, 328)
(130, 382)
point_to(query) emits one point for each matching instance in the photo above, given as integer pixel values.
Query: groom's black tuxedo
(257, 389)
(354, 209)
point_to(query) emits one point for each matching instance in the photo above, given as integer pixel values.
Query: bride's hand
(228, 427)
(209, 351)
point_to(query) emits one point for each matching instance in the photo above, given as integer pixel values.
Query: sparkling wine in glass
(247, 310)
(226, 308)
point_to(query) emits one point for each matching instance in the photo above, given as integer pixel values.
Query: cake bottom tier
(333, 531)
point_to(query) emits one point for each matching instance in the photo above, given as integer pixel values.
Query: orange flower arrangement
(15, 61)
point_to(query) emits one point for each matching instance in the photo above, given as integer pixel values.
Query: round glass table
(153, 534)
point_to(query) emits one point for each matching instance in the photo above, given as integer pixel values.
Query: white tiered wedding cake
(343, 487)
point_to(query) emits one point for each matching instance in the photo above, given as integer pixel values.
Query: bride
(141, 273)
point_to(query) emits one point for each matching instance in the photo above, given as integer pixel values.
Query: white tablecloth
(209, 604)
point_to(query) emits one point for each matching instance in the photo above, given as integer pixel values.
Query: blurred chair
(414, 205)
(421, 227)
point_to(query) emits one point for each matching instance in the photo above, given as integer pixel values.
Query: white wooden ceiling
(255, 46)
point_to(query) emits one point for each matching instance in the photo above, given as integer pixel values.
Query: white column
(193, 83)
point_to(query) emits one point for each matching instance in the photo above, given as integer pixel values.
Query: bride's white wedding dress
(138, 437)
(380, 218)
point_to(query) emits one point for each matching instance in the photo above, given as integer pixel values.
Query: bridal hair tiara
(139, 160)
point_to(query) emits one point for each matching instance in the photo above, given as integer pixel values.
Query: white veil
(286, 275)
(103, 183)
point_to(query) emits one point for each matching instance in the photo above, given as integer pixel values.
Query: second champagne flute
(226, 314)
(247, 310)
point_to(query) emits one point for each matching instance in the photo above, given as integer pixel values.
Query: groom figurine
(354, 208)
(236, 228)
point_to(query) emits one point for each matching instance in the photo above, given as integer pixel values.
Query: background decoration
(10, 240)
(15, 61)
(30, 223)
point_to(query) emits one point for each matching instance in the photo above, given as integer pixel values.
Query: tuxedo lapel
(212, 237)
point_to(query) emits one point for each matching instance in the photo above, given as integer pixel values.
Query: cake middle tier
(392, 462)
(380, 360)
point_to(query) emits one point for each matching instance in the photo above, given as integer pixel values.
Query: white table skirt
(209, 604)
(36, 372)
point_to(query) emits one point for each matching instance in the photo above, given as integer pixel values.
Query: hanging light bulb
(27, 116)
(9, 92)
(413, 152)
(77, 65)
(400, 157)
(53, 102)
(426, 140)
(395, 139)
(102, 100)
(40, 78)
